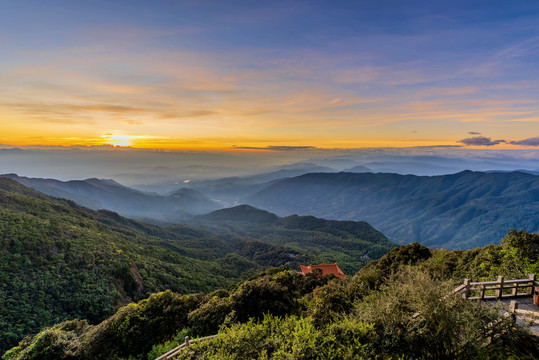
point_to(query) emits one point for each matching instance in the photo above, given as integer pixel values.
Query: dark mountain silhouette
(458, 211)
(108, 194)
(241, 213)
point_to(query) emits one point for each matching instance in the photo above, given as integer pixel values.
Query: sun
(119, 140)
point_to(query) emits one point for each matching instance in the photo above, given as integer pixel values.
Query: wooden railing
(174, 352)
(500, 288)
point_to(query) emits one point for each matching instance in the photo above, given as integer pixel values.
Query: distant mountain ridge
(458, 211)
(249, 214)
(231, 191)
(108, 194)
(241, 213)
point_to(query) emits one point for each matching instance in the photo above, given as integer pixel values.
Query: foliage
(60, 261)
(524, 246)
(276, 294)
(284, 338)
(280, 314)
(410, 316)
(312, 240)
(390, 263)
(515, 258)
(132, 331)
(207, 319)
(413, 316)
(160, 349)
(61, 341)
(155, 320)
(330, 303)
(457, 211)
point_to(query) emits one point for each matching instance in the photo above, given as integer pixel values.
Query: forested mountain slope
(61, 261)
(397, 307)
(351, 243)
(458, 211)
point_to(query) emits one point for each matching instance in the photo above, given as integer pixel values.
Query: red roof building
(326, 269)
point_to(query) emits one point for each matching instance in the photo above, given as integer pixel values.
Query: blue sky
(217, 74)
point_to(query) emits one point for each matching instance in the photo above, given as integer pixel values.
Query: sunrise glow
(204, 76)
(119, 140)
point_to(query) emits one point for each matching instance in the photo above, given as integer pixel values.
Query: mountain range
(350, 243)
(59, 260)
(108, 194)
(458, 211)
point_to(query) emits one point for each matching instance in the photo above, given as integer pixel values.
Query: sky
(269, 75)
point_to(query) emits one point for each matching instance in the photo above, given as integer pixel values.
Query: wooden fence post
(187, 341)
(466, 293)
(513, 306)
(532, 283)
(514, 291)
(499, 292)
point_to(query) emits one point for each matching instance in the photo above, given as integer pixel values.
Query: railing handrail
(517, 281)
(170, 354)
(499, 286)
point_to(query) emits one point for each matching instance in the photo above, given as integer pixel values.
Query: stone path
(524, 303)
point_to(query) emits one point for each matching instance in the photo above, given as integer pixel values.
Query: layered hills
(59, 260)
(108, 194)
(458, 211)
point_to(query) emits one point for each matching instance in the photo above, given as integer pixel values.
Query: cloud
(474, 133)
(480, 141)
(534, 141)
(275, 148)
(434, 147)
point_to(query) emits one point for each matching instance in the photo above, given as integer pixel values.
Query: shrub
(285, 338)
(135, 328)
(207, 319)
(275, 294)
(414, 317)
(61, 341)
(329, 303)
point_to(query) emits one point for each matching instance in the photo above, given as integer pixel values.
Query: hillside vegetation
(61, 261)
(394, 308)
(458, 211)
(350, 243)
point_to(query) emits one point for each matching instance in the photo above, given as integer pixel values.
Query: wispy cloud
(326, 78)
(275, 147)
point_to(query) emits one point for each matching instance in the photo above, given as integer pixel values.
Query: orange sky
(197, 76)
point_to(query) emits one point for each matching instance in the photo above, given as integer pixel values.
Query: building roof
(326, 269)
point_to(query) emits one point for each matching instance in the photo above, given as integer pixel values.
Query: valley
(59, 260)
(455, 211)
